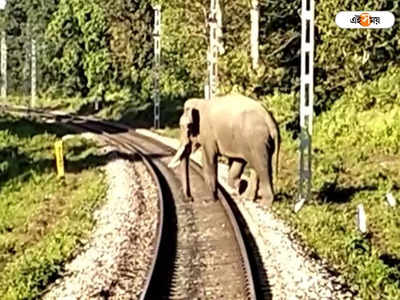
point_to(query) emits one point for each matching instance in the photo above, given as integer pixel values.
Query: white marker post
(361, 219)
(212, 55)
(391, 199)
(306, 99)
(3, 57)
(157, 63)
(255, 20)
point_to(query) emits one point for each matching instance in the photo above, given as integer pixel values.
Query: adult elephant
(234, 126)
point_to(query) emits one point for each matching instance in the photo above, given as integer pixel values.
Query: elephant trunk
(185, 176)
(181, 158)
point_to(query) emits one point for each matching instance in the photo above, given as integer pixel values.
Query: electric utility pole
(212, 55)
(3, 56)
(157, 63)
(255, 20)
(306, 99)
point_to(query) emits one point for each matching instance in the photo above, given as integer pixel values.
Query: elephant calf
(234, 126)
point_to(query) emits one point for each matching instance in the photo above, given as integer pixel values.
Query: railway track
(203, 249)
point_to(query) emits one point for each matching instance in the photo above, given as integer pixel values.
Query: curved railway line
(204, 249)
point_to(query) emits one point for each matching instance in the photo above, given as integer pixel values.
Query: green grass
(67, 104)
(356, 160)
(43, 219)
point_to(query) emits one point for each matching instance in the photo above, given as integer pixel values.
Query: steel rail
(227, 208)
(149, 167)
(130, 146)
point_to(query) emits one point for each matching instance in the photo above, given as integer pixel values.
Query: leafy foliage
(364, 122)
(345, 57)
(94, 49)
(185, 47)
(77, 47)
(355, 160)
(100, 49)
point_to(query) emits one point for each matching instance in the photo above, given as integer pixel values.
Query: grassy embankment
(43, 219)
(356, 161)
(67, 104)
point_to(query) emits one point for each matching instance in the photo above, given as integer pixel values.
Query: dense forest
(104, 50)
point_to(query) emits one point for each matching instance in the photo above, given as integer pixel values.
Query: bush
(99, 48)
(285, 108)
(340, 61)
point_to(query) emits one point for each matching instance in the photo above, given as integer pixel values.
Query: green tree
(343, 57)
(130, 42)
(101, 49)
(104, 49)
(76, 48)
(25, 19)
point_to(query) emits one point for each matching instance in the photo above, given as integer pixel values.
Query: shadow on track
(262, 286)
(161, 282)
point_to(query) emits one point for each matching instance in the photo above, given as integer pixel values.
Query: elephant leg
(235, 171)
(251, 191)
(262, 163)
(210, 170)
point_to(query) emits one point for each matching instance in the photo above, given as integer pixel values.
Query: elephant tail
(277, 142)
(276, 136)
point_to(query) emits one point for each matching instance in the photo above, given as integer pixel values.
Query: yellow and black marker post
(58, 147)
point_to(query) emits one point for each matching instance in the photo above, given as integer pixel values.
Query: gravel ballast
(115, 261)
(291, 272)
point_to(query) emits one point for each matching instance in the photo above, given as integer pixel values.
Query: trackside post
(306, 100)
(58, 148)
(3, 56)
(212, 55)
(255, 19)
(157, 63)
